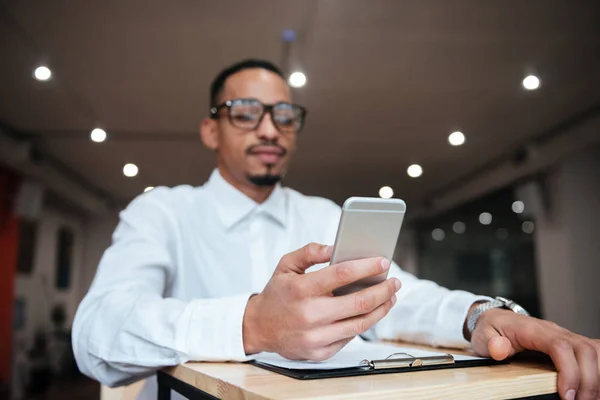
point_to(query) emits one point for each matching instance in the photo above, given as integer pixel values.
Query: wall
(567, 244)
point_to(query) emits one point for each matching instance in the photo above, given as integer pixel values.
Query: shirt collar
(233, 205)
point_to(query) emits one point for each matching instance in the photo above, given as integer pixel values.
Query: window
(64, 254)
(27, 240)
(485, 247)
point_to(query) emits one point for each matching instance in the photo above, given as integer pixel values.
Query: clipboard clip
(405, 360)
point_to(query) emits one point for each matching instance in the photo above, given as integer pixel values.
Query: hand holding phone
(297, 317)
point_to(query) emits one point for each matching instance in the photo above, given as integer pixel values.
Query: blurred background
(483, 116)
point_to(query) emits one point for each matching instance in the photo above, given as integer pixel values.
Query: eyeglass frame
(267, 108)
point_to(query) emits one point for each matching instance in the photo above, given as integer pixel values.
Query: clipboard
(394, 363)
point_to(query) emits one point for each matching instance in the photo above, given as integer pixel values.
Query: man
(217, 272)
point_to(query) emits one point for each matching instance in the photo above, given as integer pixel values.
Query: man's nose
(267, 129)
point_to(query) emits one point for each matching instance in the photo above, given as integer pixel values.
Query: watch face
(512, 305)
(519, 310)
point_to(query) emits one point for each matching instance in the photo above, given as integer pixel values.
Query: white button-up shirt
(174, 284)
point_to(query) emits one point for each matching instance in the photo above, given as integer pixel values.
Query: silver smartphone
(369, 227)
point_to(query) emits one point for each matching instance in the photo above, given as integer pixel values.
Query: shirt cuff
(451, 318)
(215, 332)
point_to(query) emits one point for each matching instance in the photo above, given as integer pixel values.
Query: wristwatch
(498, 302)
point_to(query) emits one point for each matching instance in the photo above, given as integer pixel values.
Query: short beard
(266, 180)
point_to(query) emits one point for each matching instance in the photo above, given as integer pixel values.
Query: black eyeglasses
(249, 113)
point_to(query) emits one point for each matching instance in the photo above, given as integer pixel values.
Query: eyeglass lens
(247, 114)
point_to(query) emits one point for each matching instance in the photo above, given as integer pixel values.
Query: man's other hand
(297, 316)
(502, 333)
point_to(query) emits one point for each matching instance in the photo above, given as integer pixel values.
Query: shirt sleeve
(426, 313)
(126, 327)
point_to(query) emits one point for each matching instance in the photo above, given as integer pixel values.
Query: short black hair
(216, 87)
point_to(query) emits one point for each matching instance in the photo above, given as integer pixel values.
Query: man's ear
(209, 133)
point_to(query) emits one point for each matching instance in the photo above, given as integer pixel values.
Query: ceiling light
(518, 207)
(528, 227)
(438, 234)
(297, 79)
(414, 171)
(531, 82)
(98, 135)
(485, 218)
(386, 192)
(459, 227)
(456, 138)
(149, 188)
(42, 73)
(130, 170)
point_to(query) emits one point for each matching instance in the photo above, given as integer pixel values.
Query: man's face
(260, 155)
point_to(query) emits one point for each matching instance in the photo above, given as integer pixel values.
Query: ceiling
(387, 82)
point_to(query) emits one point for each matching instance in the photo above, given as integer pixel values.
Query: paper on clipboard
(352, 355)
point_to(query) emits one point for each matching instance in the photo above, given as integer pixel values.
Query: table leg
(164, 391)
(166, 383)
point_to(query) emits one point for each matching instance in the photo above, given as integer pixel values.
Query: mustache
(266, 145)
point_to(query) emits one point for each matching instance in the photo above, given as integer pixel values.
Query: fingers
(338, 275)
(325, 353)
(358, 303)
(596, 344)
(548, 339)
(337, 346)
(355, 326)
(300, 260)
(587, 359)
(576, 360)
(564, 360)
(325, 340)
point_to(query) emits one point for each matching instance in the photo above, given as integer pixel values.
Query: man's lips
(267, 154)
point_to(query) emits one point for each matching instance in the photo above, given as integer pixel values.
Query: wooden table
(522, 378)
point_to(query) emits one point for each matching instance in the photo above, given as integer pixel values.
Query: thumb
(500, 348)
(300, 260)
(488, 342)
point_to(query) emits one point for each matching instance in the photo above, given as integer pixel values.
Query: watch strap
(498, 302)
